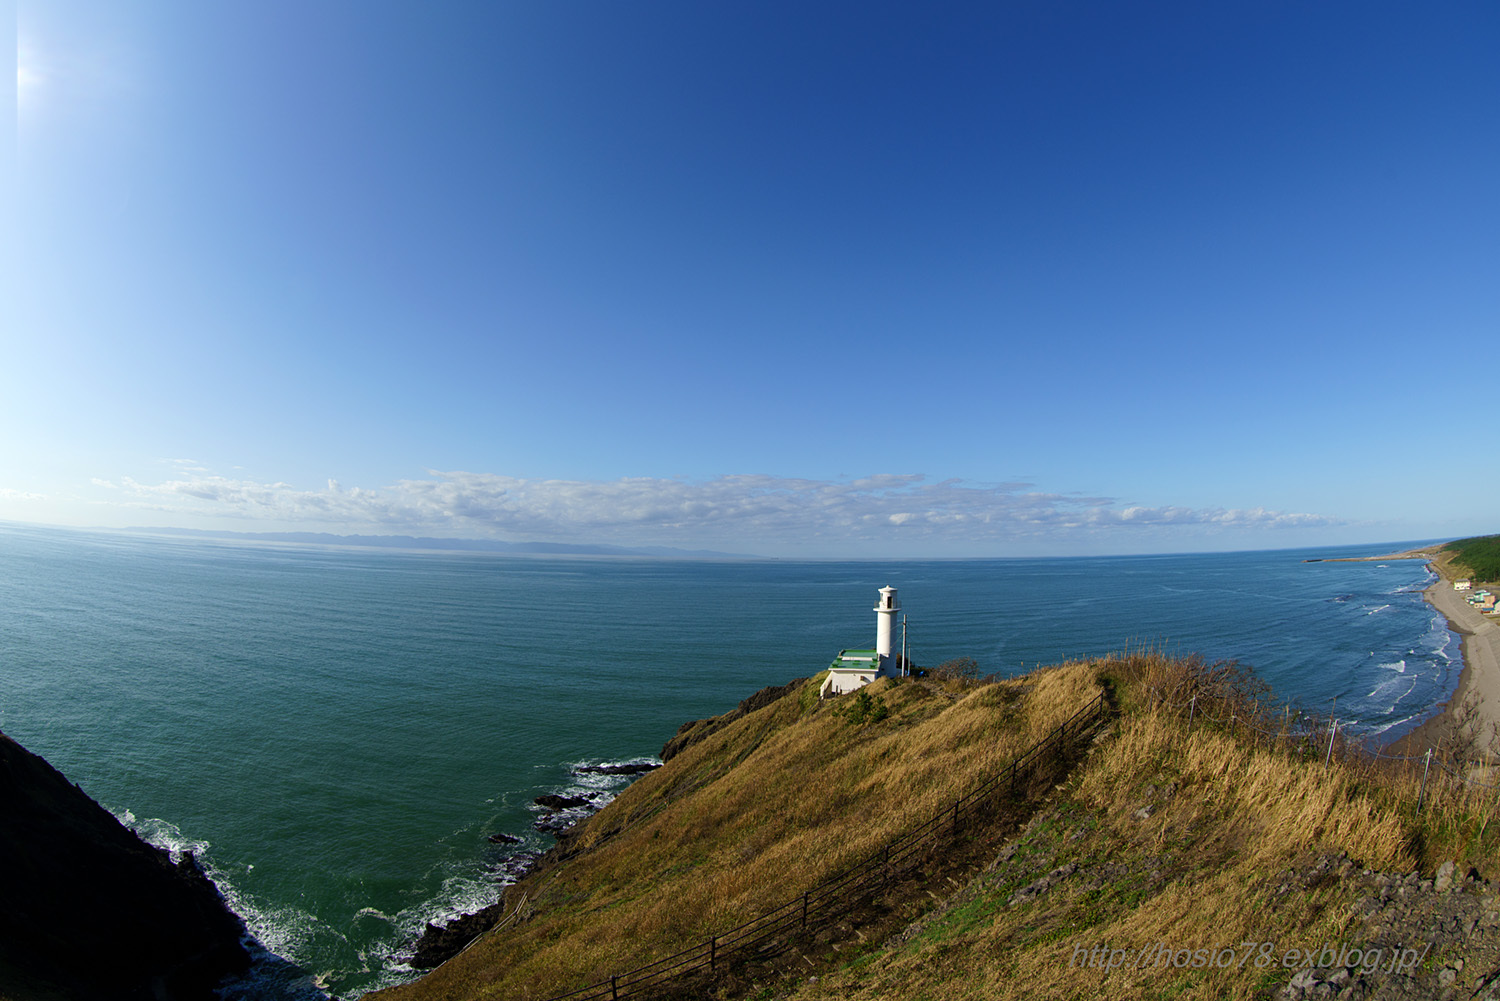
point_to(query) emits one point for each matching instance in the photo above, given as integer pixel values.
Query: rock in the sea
(516, 867)
(92, 911)
(554, 823)
(552, 801)
(503, 839)
(634, 768)
(440, 944)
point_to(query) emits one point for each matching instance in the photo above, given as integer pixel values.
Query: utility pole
(905, 664)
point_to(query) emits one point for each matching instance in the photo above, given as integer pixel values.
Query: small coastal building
(853, 669)
(1462, 585)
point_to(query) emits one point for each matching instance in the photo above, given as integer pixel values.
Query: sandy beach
(1476, 702)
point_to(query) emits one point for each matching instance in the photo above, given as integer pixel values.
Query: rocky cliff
(88, 910)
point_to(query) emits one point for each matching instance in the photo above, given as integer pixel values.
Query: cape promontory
(93, 912)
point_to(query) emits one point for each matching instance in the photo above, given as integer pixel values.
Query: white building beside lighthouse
(853, 669)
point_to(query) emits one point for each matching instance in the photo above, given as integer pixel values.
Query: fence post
(804, 909)
(1331, 734)
(713, 951)
(1422, 795)
(1192, 711)
(955, 818)
(614, 987)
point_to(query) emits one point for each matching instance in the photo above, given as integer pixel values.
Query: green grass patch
(964, 918)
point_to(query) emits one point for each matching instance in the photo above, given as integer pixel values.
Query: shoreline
(1474, 705)
(1429, 553)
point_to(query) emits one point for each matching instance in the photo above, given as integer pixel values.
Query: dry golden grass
(1206, 869)
(1240, 792)
(751, 817)
(1295, 803)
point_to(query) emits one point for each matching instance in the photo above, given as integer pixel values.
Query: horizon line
(454, 544)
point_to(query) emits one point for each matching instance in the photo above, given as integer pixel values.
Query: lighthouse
(853, 669)
(885, 614)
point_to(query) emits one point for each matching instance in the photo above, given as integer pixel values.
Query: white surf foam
(271, 933)
(374, 912)
(164, 834)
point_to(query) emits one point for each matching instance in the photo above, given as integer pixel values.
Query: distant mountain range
(464, 545)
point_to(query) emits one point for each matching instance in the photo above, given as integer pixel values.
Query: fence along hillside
(777, 930)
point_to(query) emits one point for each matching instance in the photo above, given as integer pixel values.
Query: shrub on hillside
(864, 708)
(959, 669)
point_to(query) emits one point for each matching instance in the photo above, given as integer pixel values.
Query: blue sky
(791, 279)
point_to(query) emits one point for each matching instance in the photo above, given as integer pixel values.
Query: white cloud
(747, 512)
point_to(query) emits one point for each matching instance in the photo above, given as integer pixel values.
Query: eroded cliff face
(89, 910)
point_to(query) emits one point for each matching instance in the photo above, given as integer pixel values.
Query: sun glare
(27, 78)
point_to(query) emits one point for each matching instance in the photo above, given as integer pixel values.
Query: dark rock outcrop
(634, 768)
(553, 801)
(92, 911)
(515, 867)
(553, 824)
(439, 944)
(695, 730)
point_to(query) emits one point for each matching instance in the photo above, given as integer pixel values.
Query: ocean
(336, 732)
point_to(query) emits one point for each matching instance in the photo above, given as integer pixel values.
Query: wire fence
(775, 931)
(1328, 735)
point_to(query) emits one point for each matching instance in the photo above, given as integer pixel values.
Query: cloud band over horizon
(763, 512)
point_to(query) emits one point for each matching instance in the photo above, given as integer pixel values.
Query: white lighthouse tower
(885, 614)
(853, 669)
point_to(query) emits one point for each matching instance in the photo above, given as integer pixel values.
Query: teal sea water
(336, 731)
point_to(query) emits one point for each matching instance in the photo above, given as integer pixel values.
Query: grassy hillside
(1479, 557)
(1205, 819)
(748, 818)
